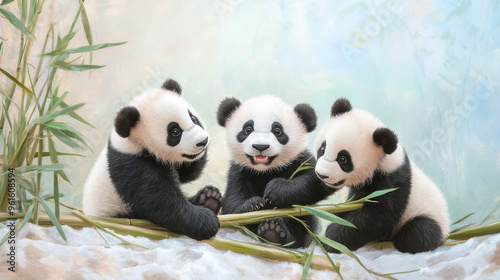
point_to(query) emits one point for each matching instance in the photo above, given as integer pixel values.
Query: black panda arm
(375, 221)
(152, 192)
(190, 171)
(242, 192)
(304, 188)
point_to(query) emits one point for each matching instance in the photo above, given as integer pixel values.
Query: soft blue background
(428, 69)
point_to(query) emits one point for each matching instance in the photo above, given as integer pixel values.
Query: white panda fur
(353, 131)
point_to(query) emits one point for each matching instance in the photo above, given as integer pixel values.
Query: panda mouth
(193, 156)
(261, 159)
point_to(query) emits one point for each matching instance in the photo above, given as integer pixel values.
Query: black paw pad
(211, 198)
(273, 231)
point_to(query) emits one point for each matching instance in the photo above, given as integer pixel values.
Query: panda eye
(248, 130)
(194, 119)
(175, 132)
(321, 150)
(342, 160)
(277, 131)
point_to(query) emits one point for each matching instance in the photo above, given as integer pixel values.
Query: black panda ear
(126, 119)
(341, 105)
(172, 85)
(307, 115)
(386, 138)
(226, 108)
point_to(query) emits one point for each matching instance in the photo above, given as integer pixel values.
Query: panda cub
(157, 144)
(266, 140)
(356, 150)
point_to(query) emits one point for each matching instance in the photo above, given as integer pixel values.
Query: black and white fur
(356, 150)
(266, 139)
(157, 144)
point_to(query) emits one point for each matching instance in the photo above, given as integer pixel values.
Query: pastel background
(429, 69)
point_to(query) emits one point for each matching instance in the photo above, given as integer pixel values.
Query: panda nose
(260, 148)
(321, 176)
(202, 143)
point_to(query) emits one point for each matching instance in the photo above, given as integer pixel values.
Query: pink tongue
(260, 159)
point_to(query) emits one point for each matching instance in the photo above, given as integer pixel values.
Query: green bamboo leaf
(6, 114)
(86, 25)
(52, 151)
(56, 195)
(64, 177)
(66, 129)
(64, 138)
(47, 154)
(74, 67)
(328, 256)
(5, 2)
(52, 217)
(58, 101)
(39, 168)
(307, 264)
(463, 219)
(12, 78)
(16, 22)
(75, 115)
(24, 10)
(27, 216)
(32, 12)
(5, 237)
(379, 193)
(58, 125)
(326, 216)
(490, 214)
(49, 117)
(85, 49)
(25, 184)
(348, 252)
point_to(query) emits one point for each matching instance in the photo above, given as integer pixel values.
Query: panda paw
(211, 198)
(274, 192)
(274, 231)
(255, 203)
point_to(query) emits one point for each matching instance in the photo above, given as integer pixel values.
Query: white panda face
(265, 133)
(346, 153)
(168, 127)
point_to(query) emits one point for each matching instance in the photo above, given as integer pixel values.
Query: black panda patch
(226, 108)
(307, 115)
(125, 120)
(386, 138)
(245, 131)
(321, 150)
(174, 134)
(195, 119)
(345, 161)
(279, 133)
(172, 85)
(341, 105)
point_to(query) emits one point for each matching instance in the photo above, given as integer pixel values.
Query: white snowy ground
(42, 254)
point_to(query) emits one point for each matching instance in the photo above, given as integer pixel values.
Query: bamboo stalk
(259, 216)
(480, 230)
(225, 220)
(278, 254)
